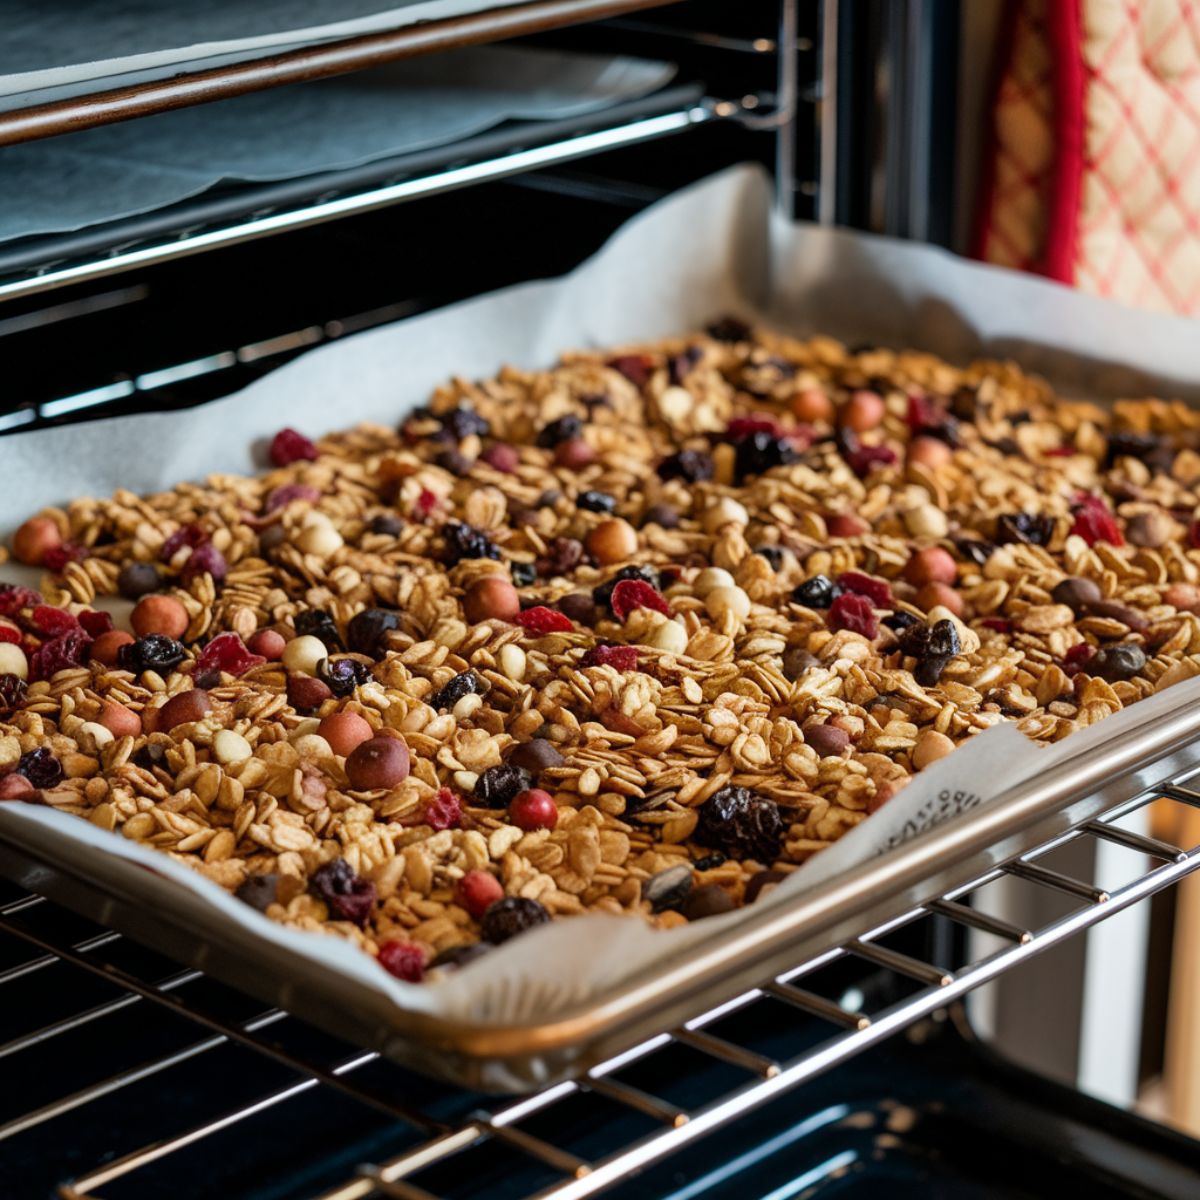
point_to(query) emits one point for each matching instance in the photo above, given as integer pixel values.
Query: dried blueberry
(137, 579)
(464, 422)
(496, 787)
(12, 694)
(342, 675)
(465, 541)
(150, 756)
(741, 823)
(597, 502)
(366, 630)
(1024, 528)
(40, 767)
(692, 466)
(1112, 663)
(509, 917)
(760, 452)
(943, 640)
(773, 554)
(669, 888)
(316, 622)
(523, 573)
(818, 592)
(258, 891)
(900, 620)
(710, 862)
(975, 550)
(349, 897)
(565, 429)
(728, 329)
(155, 652)
(459, 686)
(387, 525)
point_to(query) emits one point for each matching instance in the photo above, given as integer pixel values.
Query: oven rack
(432, 1140)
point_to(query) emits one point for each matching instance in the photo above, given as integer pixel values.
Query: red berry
(533, 809)
(1193, 538)
(281, 497)
(621, 658)
(444, 811)
(404, 960)
(1077, 657)
(95, 623)
(10, 633)
(741, 427)
(999, 624)
(289, 446)
(477, 891)
(57, 557)
(14, 597)
(51, 621)
(866, 458)
(188, 535)
(636, 593)
(205, 559)
(875, 590)
(541, 619)
(426, 503)
(226, 652)
(634, 367)
(854, 613)
(502, 457)
(1094, 522)
(923, 413)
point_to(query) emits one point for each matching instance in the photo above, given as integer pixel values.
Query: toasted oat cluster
(635, 634)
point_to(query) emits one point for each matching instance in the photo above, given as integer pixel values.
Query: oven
(1003, 1039)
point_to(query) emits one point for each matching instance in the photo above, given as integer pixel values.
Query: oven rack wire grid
(838, 1027)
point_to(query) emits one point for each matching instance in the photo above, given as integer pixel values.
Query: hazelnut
(935, 595)
(304, 653)
(492, 598)
(931, 565)
(381, 762)
(230, 747)
(159, 614)
(812, 405)
(119, 720)
(612, 541)
(929, 452)
(106, 647)
(344, 731)
(930, 746)
(1184, 596)
(13, 661)
(34, 540)
(183, 709)
(269, 643)
(864, 410)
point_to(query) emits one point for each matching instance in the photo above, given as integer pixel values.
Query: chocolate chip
(536, 756)
(1076, 593)
(796, 661)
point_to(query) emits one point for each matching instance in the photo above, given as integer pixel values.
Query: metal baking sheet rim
(526, 1056)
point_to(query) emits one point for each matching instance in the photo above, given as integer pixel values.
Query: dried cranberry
(342, 675)
(50, 621)
(1061, 452)
(40, 767)
(1094, 522)
(465, 541)
(1076, 657)
(464, 684)
(620, 658)
(875, 590)
(155, 652)
(281, 497)
(999, 624)
(464, 422)
(289, 446)
(728, 329)
(444, 811)
(348, 896)
(187, 535)
(227, 652)
(427, 501)
(541, 619)
(761, 452)
(636, 593)
(742, 427)
(14, 597)
(635, 368)
(854, 613)
(57, 557)
(366, 630)
(205, 559)
(509, 917)
(318, 623)
(865, 459)
(923, 412)
(496, 787)
(693, 466)
(12, 694)
(10, 634)
(565, 429)
(69, 649)
(603, 593)
(95, 623)
(404, 960)
(817, 592)
(741, 823)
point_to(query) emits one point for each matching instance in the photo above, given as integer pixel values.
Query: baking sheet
(67, 183)
(55, 49)
(712, 249)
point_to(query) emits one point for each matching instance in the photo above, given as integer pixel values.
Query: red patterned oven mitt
(1094, 172)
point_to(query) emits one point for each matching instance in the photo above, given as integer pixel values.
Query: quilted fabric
(1095, 167)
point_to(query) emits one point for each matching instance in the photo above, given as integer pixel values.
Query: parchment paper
(712, 249)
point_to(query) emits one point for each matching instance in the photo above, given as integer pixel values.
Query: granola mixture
(635, 634)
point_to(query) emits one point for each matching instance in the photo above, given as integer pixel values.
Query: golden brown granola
(862, 558)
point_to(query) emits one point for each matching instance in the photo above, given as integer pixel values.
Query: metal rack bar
(1033, 873)
(322, 61)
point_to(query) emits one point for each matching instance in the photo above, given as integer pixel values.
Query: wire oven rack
(456, 1128)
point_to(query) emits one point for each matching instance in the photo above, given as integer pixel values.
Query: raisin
(759, 453)
(461, 685)
(1024, 528)
(943, 640)
(523, 574)
(669, 888)
(187, 535)
(150, 756)
(728, 329)
(366, 630)
(348, 896)
(928, 670)
(773, 555)
(635, 368)
(258, 891)
(597, 502)
(692, 466)
(497, 786)
(974, 550)
(1113, 663)
(40, 767)
(342, 675)
(464, 422)
(579, 607)
(1131, 445)
(12, 694)
(454, 957)
(565, 429)
(509, 917)
(901, 620)
(456, 463)
(316, 622)
(741, 823)
(387, 524)
(817, 592)
(710, 862)
(866, 458)
(680, 366)
(536, 755)
(465, 541)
